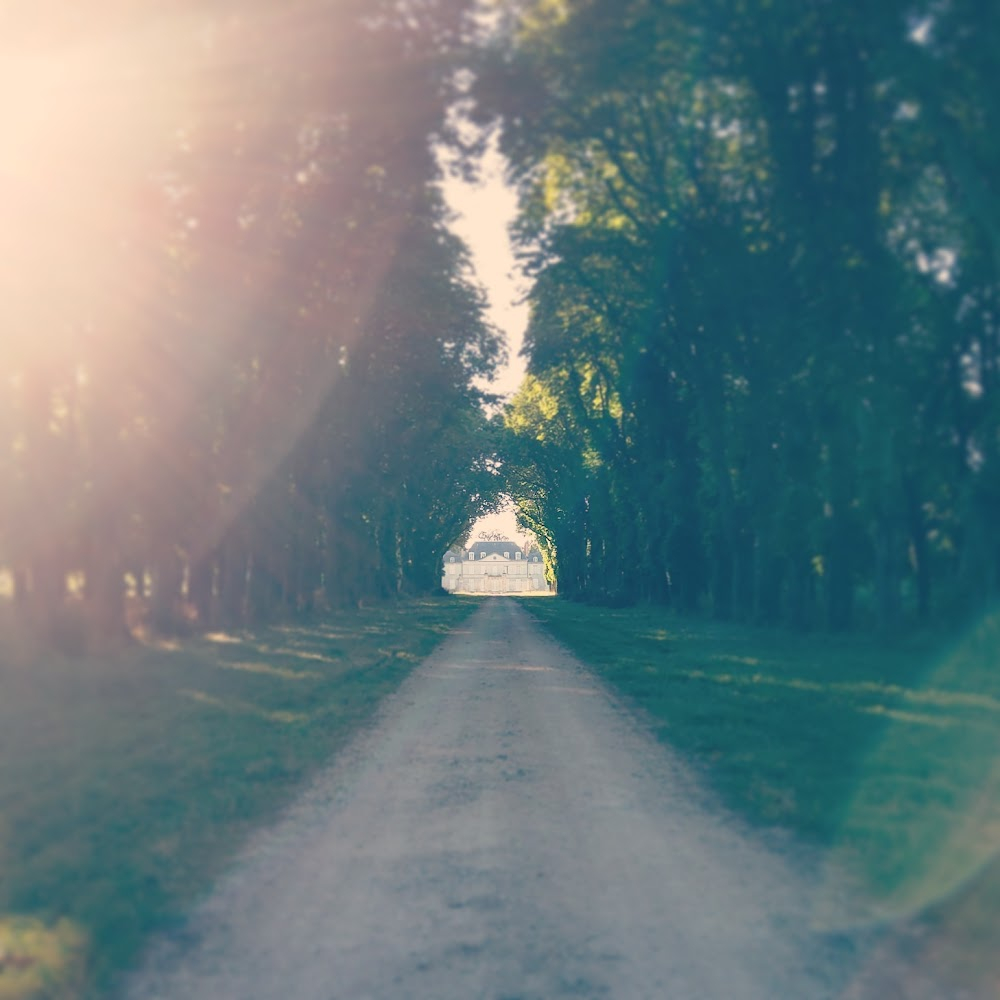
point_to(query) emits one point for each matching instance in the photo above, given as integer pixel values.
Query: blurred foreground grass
(128, 781)
(886, 756)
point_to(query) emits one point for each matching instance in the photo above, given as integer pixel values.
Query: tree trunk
(168, 577)
(722, 582)
(839, 575)
(48, 591)
(201, 576)
(886, 574)
(20, 579)
(232, 582)
(106, 589)
(770, 578)
(799, 594)
(917, 530)
(838, 555)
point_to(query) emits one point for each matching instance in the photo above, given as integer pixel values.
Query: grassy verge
(887, 756)
(127, 782)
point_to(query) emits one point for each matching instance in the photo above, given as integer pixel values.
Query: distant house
(494, 568)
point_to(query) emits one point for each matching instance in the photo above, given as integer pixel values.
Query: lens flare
(925, 819)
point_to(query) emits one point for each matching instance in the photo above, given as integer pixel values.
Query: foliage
(128, 780)
(879, 756)
(239, 338)
(763, 237)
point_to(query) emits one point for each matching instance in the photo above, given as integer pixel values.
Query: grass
(885, 756)
(127, 782)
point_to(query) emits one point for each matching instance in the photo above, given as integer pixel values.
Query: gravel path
(505, 830)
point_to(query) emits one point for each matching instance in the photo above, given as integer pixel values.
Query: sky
(483, 213)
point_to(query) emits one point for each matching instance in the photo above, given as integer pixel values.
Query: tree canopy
(240, 341)
(763, 344)
(241, 345)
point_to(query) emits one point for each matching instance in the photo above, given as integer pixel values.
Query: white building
(494, 568)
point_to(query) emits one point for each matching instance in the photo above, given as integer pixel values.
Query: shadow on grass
(884, 756)
(790, 728)
(128, 781)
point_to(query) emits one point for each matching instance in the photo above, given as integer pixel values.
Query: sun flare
(83, 130)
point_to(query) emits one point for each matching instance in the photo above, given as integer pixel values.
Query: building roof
(492, 548)
(497, 548)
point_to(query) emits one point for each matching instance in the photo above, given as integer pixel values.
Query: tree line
(239, 340)
(763, 347)
(241, 347)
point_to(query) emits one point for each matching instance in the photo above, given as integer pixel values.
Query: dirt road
(505, 830)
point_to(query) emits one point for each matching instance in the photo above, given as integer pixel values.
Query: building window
(506, 555)
(472, 555)
(517, 555)
(482, 555)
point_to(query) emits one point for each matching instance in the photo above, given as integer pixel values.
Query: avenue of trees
(763, 352)
(238, 340)
(240, 346)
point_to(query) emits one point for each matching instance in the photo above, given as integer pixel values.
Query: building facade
(494, 567)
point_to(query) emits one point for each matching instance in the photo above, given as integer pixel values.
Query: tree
(243, 339)
(758, 294)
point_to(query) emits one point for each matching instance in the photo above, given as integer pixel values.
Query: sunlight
(141, 145)
(38, 960)
(241, 707)
(285, 673)
(298, 654)
(915, 718)
(921, 30)
(932, 697)
(84, 116)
